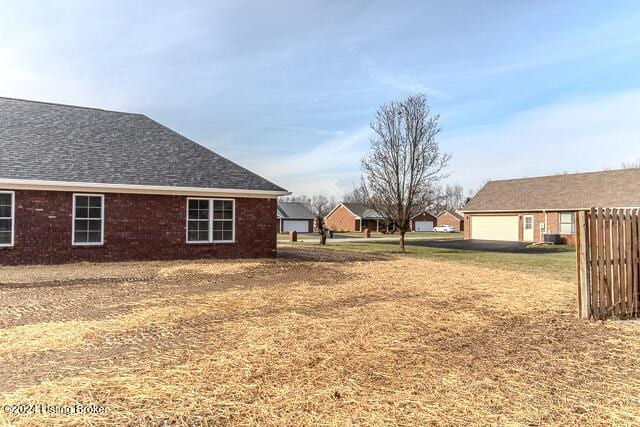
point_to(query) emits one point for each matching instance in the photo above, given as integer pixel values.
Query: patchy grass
(425, 235)
(337, 236)
(320, 336)
(559, 262)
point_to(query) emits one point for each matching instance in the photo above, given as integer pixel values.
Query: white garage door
(293, 225)
(424, 225)
(495, 228)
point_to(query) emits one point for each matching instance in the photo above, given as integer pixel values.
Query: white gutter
(19, 184)
(543, 210)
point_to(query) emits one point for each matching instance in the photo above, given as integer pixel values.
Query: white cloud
(405, 83)
(328, 168)
(580, 135)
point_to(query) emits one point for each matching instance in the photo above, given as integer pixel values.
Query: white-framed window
(198, 220)
(567, 223)
(210, 220)
(7, 218)
(88, 219)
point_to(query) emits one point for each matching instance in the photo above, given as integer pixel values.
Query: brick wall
(447, 219)
(137, 227)
(553, 224)
(373, 225)
(341, 220)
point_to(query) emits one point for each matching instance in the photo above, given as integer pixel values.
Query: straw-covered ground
(311, 338)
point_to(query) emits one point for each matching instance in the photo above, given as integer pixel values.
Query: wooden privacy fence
(607, 247)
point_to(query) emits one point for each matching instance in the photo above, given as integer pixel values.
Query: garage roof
(613, 189)
(294, 210)
(362, 210)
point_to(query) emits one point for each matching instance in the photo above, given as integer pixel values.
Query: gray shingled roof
(362, 210)
(294, 210)
(615, 188)
(52, 142)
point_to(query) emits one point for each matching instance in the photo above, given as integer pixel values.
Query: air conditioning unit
(552, 238)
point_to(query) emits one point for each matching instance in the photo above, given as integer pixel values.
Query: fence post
(582, 254)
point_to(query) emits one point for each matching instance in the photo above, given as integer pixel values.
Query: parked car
(444, 229)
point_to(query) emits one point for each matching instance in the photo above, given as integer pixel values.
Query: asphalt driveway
(477, 245)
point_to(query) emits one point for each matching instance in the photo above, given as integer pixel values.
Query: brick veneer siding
(446, 218)
(423, 217)
(137, 227)
(552, 223)
(372, 225)
(341, 220)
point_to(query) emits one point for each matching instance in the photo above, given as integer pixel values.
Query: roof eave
(19, 184)
(472, 211)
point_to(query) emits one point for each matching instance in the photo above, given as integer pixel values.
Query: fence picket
(635, 247)
(593, 260)
(583, 268)
(628, 263)
(614, 283)
(608, 259)
(602, 289)
(608, 255)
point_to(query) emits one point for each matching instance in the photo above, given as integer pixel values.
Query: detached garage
(299, 225)
(424, 221)
(529, 209)
(424, 225)
(294, 216)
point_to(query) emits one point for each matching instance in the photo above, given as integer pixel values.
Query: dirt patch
(311, 340)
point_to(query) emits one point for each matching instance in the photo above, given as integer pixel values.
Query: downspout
(546, 226)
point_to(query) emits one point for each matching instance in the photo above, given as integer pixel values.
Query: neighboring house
(84, 184)
(524, 209)
(452, 218)
(424, 221)
(294, 216)
(354, 217)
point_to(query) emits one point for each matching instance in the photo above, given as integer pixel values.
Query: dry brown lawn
(331, 339)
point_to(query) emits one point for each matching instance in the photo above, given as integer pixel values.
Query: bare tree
(322, 229)
(631, 165)
(402, 171)
(355, 196)
(318, 204)
(306, 200)
(449, 197)
(472, 192)
(455, 197)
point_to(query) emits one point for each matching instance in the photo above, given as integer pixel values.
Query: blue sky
(288, 88)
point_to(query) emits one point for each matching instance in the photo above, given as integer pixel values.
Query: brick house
(294, 216)
(452, 218)
(354, 217)
(525, 209)
(83, 184)
(424, 221)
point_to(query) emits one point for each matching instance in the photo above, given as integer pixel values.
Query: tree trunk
(323, 238)
(402, 240)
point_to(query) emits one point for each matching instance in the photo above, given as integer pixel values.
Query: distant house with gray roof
(85, 184)
(354, 217)
(294, 216)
